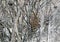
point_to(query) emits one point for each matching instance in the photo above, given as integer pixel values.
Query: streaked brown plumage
(34, 21)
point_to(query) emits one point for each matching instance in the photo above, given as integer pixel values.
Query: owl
(34, 21)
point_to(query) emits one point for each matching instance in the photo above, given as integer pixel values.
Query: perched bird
(34, 21)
